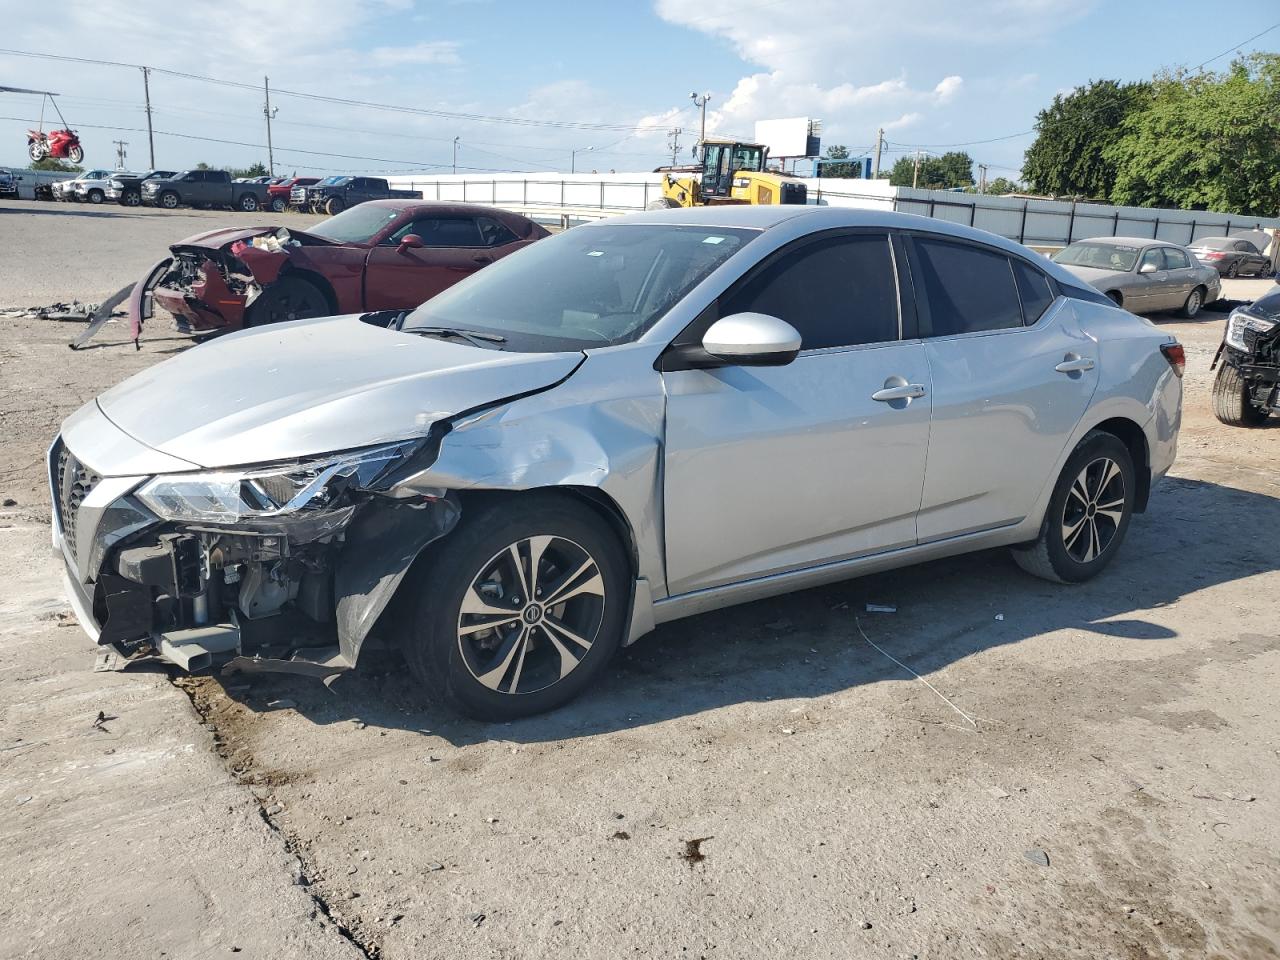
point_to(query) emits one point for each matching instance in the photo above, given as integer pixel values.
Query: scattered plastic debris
(1037, 856)
(1000, 616)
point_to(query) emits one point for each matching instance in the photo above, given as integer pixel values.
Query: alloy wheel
(1094, 510)
(531, 614)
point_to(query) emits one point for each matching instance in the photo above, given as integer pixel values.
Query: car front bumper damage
(299, 593)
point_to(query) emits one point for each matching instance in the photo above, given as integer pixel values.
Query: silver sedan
(628, 423)
(1143, 276)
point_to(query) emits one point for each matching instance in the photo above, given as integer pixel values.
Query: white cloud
(437, 51)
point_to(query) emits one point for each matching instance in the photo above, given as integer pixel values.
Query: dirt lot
(756, 782)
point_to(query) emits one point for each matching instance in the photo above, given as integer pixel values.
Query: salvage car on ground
(335, 194)
(92, 187)
(1246, 390)
(627, 423)
(384, 255)
(204, 188)
(126, 188)
(1232, 256)
(1143, 276)
(278, 193)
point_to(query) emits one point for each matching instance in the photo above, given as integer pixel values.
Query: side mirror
(1147, 268)
(410, 241)
(752, 340)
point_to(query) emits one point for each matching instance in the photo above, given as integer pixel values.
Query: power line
(394, 108)
(966, 143)
(1237, 46)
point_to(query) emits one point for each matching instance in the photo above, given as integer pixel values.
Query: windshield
(328, 181)
(587, 287)
(1103, 256)
(357, 225)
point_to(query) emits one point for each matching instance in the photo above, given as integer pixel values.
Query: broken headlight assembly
(228, 497)
(1240, 323)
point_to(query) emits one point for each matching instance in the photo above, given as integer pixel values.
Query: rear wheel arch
(1134, 438)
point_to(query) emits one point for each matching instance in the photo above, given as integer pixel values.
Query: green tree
(829, 165)
(258, 169)
(954, 169)
(1002, 185)
(1205, 141)
(1074, 134)
(55, 165)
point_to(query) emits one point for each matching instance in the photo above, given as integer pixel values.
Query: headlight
(266, 492)
(1240, 322)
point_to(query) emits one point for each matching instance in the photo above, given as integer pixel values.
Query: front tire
(1088, 514)
(96, 196)
(169, 200)
(277, 205)
(289, 298)
(334, 206)
(1195, 300)
(131, 199)
(520, 609)
(1232, 402)
(76, 154)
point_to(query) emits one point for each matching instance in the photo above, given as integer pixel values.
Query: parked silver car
(628, 423)
(92, 187)
(1232, 256)
(1143, 276)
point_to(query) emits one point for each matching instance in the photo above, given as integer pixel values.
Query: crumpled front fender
(381, 544)
(140, 302)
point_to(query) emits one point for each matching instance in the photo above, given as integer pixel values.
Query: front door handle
(906, 391)
(1074, 364)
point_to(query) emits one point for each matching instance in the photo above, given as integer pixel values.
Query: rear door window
(837, 292)
(495, 234)
(1175, 259)
(963, 288)
(1033, 290)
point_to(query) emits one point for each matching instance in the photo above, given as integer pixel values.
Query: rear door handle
(907, 391)
(1075, 364)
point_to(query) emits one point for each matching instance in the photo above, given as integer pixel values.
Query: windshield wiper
(474, 337)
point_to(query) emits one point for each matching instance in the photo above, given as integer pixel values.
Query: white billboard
(788, 137)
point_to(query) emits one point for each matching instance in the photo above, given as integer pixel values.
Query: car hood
(1096, 275)
(315, 386)
(223, 238)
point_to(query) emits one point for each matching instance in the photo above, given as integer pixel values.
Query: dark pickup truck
(334, 194)
(204, 188)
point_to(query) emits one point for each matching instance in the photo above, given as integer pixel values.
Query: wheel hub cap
(531, 614)
(1094, 509)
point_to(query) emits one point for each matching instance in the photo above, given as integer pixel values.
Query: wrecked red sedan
(381, 255)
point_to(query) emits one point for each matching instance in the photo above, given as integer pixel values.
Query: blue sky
(943, 73)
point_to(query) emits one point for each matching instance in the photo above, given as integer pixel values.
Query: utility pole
(982, 178)
(673, 142)
(269, 113)
(915, 177)
(701, 101)
(146, 92)
(875, 172)
(573, 157)
(120, 152)
(455, 154)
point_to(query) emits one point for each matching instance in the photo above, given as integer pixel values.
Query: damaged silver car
(628, 423)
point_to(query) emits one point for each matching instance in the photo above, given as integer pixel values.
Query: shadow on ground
(1195, 535)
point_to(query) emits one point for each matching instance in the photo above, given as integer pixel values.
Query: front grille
(75, 481)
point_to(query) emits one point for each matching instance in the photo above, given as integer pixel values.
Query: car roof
(1129, 241)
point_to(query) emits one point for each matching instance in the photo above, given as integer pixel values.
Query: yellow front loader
(732, 172)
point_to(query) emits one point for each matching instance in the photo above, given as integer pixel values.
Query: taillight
(1211, 256)
(1176, 355)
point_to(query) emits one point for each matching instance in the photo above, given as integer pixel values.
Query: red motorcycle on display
(61, 144)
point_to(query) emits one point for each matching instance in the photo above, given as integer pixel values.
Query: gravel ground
(1090, 772)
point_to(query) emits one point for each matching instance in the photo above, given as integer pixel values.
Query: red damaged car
(381, 255)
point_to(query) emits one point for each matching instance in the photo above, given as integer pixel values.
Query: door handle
(907, 391)
(1074, 364)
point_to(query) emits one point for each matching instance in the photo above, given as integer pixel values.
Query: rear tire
(248, 203)
(1233, 271)
(290, 298)
(1088, 513)
(1232, 404)
(1195, 300)
(662, 203)
(543, 657)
